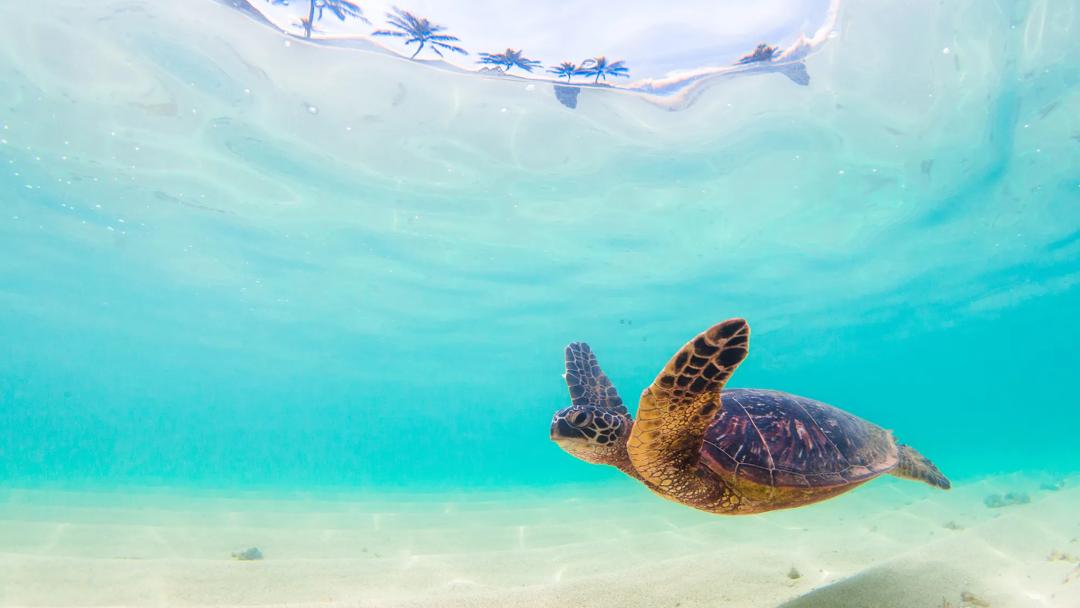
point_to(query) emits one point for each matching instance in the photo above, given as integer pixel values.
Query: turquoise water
(231, 262)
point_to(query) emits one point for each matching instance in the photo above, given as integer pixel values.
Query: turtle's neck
(622, 462)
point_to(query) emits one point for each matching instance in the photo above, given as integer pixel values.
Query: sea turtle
(734, 451)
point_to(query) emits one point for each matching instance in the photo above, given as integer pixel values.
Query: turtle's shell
(781, 440)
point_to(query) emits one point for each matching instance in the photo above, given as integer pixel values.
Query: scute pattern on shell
(781, 440)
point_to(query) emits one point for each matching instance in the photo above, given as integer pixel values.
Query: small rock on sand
(970, 600)
(249, 554)
(995, 501)
(1060, 556)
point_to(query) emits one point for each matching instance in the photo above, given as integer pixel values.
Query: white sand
(881, 546)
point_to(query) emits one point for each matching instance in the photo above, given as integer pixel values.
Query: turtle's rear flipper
(914, 465)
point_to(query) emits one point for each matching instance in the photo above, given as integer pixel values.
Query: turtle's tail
(914, 465)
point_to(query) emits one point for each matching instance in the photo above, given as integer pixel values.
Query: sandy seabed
(891, 543)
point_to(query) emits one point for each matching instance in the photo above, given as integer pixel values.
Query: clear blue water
(312, 296)
(230, 262)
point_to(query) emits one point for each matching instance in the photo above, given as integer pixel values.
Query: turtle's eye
(580, 418)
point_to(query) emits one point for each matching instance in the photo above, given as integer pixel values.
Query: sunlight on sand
(889, 544)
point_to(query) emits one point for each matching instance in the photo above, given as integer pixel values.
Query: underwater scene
(513, 304)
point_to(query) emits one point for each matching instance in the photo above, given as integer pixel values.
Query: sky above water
(654, 41)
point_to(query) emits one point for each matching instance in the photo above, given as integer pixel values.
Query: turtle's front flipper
(588, 384)
(914, 465)
(678, 407)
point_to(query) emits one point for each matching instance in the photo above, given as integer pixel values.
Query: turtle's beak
(555, 435)
(562, 431)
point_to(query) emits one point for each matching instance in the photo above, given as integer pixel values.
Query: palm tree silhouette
(509, 59)
(601, 68)
(763, 52)
(340, 8)
(418, 29)
(565, 70)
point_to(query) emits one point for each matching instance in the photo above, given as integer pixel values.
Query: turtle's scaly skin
(726, 451)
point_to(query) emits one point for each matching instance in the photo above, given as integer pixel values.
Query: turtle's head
(593, 434)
